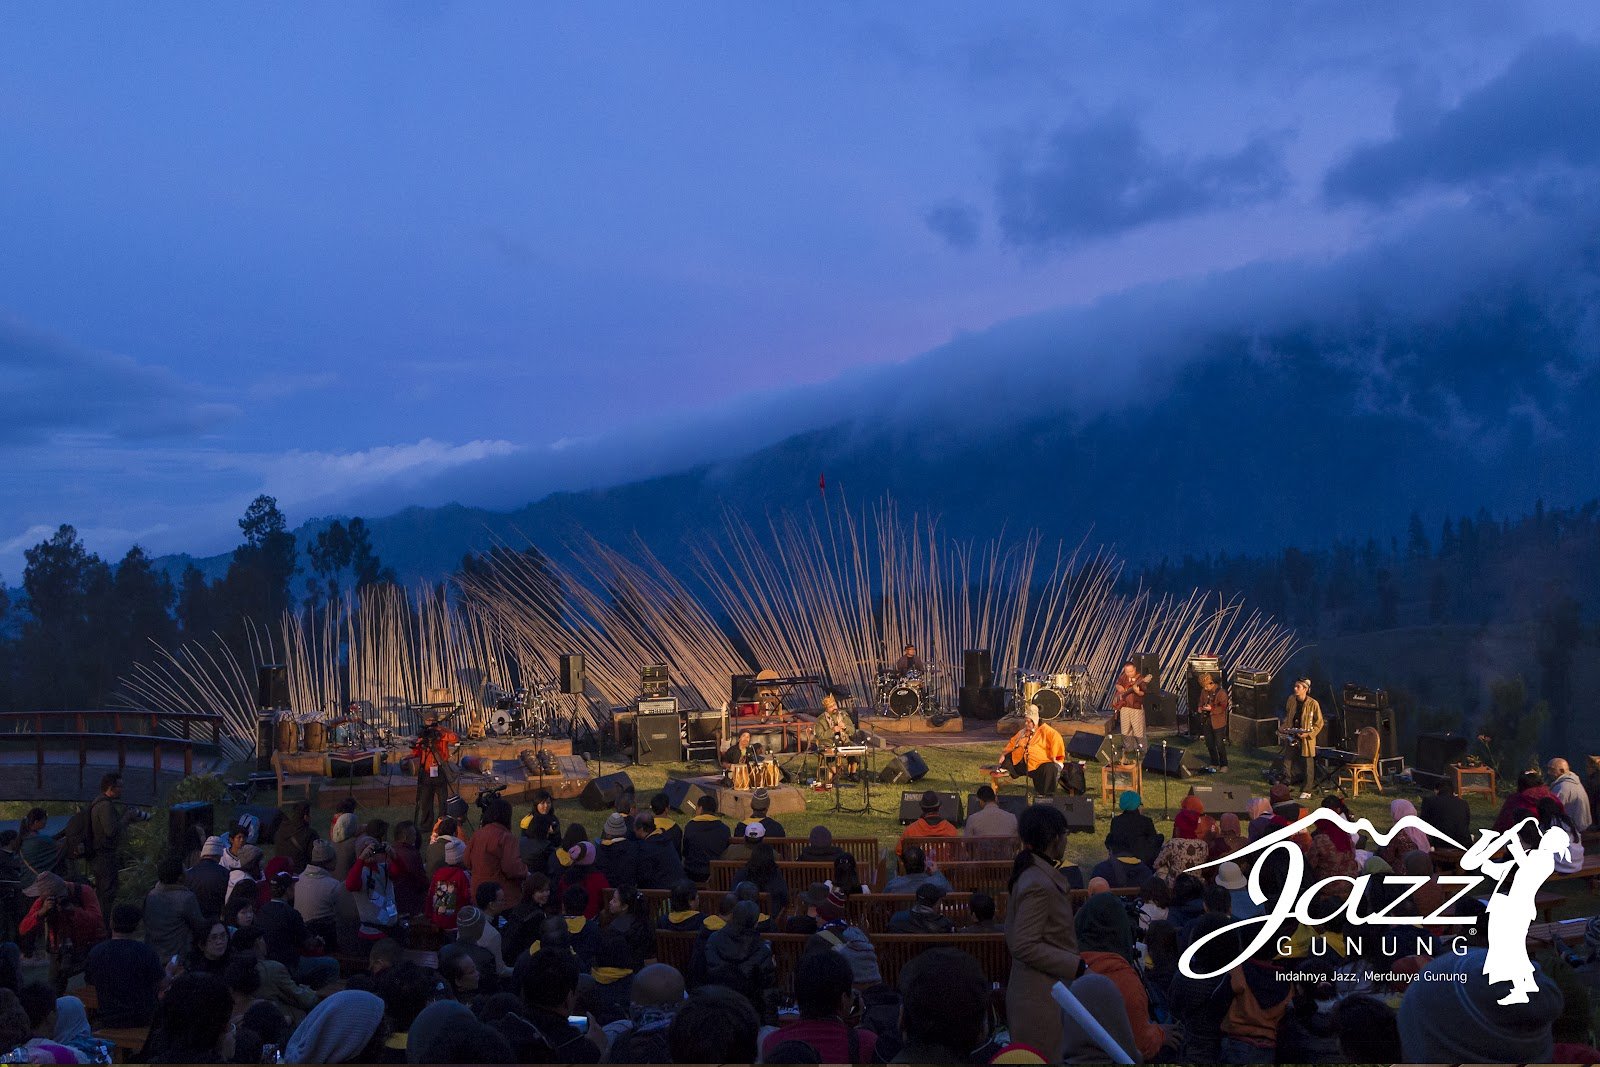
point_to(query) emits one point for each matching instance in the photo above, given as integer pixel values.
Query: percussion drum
(905, 700)
(739, 775)
(316, 737)
(765, 775)
(1064, 680)
(288, 736)
(1050, 702)
(1030, 688)
(477, 765)
(500, 723)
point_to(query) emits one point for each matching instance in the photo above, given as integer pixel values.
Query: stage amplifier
(657, 737)
(1359, 696)
(658, 706)
(654, 680)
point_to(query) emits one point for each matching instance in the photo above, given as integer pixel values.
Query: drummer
(738, 753)
(832, 729)
(909, 661)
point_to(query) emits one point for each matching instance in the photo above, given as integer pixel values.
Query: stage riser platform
(401, 790)
(1065, 727)
(505, 749)
(913, 724)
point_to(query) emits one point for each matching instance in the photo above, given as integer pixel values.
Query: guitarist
(1214, 720)
(1127, 700)
(1302, 712)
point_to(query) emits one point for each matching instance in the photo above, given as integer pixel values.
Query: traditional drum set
(352, 730)
(760, 773)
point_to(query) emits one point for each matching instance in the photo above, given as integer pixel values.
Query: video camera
(488, 796)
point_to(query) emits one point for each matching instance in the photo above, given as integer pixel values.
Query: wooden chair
(291, 773)
(1368, 744)
(956, 849)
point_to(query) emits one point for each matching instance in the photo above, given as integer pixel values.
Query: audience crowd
(526, 941)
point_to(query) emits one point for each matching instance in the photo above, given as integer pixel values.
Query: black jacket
(283, 931)
(619, 861)
(704, 839)
(208, 880)
(660, 866)
(1450, 815)
(543, 1037)
(1134, 834)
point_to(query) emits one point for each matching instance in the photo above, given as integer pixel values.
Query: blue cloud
(1101, 177)
(956, 221)
(1541, 110)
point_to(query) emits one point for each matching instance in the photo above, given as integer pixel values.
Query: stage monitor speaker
(1015, 803)
(978, 668)
(601, 793)
(1160, 710)
(911, 807)
(1381, 719)
(657, 739)
(272, 687)
(1435, 752)
(1085, 745)
(1221, 800)
(986, 704)
(1148, 663)
(1168, 761)
(684, 795)
(572, 673)
(906, 767)
(1078, 810)
(1252, 733)
(706, 726)
(189, 823)
(266, 741)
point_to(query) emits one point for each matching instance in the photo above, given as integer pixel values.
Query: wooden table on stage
(1475, 780)
(1131, 774)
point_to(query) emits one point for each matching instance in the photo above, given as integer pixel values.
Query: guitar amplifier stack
(1251, 720)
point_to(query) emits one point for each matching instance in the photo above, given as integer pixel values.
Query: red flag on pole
(822, 483)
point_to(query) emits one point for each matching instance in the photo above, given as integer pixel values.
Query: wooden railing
(50, 731)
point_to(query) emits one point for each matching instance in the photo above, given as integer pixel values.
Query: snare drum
(288, 736)
(765, 775)
(739, 775)
(316, 737)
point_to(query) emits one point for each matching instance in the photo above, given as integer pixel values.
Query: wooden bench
(970, 876)
(1590, 870)
(1564, 931)
(965, 849)
(866, 851)
(797, 875)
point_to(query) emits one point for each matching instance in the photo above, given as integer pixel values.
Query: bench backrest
(866, 850)
(797, 875)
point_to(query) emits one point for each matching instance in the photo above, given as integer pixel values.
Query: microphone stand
(1166, 779)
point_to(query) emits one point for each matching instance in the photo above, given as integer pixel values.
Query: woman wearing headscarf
(346, 1028)
(1039, 929)
(1230, 837)
(433, 1021)
(1100, 998)
(345, 835)
(72, 1028)
(1259, 813)
(1186, 824)
(1411, 839)
(1105, 938)
(1178, 855)
(1333, 849)
(738, 957)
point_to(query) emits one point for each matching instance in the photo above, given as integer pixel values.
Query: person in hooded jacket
(493, 855)
(617, 855)
(924, 916)
(541, 832)
(1105, 941)
(660, 860)
(705, 838)
(737, 956)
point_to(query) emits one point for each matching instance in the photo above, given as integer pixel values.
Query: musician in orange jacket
(1037, 751)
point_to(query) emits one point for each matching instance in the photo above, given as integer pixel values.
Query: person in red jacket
(932, 824)
(69, 913)
(451, 888)
(494, 855)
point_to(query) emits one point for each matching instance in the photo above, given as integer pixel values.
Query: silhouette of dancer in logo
(1511, 912)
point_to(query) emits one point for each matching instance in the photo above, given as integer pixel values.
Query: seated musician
(738, 752)
(1037, 751)
(909, 661)
(832, 729)
(1127, 700)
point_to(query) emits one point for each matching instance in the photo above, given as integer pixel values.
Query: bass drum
(904, 700)
(1050, 702)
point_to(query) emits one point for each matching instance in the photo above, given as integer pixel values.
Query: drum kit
(1059, 694)
(762, 773)
(900, 694)
(352, 730)
(527, 712)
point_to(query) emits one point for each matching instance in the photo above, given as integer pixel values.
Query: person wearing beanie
(451, 887)
(1036, 751)
(1451, 1014)
(344, 835)
(820, 847)
(320, 898)
(493, 855)
(931, 824)
(617, 856)
(579, 871)
(705, 838)
(1133, 833)
(208, 878)
(760, 804)
(660, 863)
(346, 1028)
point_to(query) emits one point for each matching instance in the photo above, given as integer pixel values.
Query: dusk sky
(362, 256)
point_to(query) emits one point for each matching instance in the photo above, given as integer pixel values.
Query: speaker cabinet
(1252, 733)
(684, 795)
(1168, 761)
(572, 673)
(655, 681)
(911, 807)
(1148, 663)
(986, 703)
(189, 823)
(1078, 810)
(1087, 746)
(1160, 709)
(601, 794)
(1435, 753)
(1221, 800)
(1381, 719)
(272, 687)
(906, 767)
(977, 669)
(1015, 803)
(706, 726)
(1250, 694)
(657, 739)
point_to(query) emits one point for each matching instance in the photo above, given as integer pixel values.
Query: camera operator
(432, 753)
(369, 883)
(70, 916)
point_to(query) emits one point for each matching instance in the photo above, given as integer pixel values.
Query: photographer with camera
(432, 753)
(369, 884)
(70, 916)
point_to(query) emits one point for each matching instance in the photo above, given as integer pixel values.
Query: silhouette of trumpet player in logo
(1511, 908)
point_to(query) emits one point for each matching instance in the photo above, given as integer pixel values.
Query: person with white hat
(208, 878)
(760, 804)
(1036, 751)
